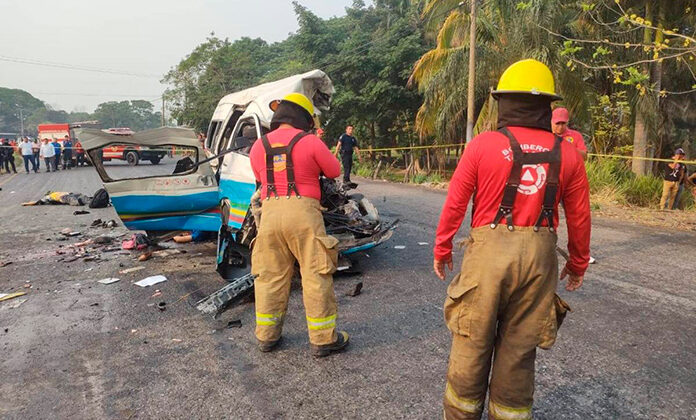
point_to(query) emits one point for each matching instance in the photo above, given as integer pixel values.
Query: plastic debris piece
(145, 256)
(8, 296)
(149, 281)
(5, 263)
(162, 306)
(80, 212)
(177, 340)
(357, 289)
(157, 293)
(423, 243)
(108, 281)
(400, 247)
(97, 222)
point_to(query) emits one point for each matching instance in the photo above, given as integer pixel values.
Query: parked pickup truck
(130, 153)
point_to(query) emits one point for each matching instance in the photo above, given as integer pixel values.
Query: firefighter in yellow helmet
(287, 163)
(502, 305)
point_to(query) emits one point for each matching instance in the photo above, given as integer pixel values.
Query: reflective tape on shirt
(501, 412)
(321, 323)
(463, 404)
(269, 319)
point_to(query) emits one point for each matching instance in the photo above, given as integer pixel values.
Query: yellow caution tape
(440, 146)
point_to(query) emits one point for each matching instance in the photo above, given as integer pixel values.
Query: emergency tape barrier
(443, 146)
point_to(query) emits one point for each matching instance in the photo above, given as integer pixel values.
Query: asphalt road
(79, 349)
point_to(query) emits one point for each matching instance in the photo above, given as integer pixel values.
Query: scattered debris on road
(15, 304)
(149, 281)
(132, 269)
(137, 241)
(58, 198)
(145, 256)
(423, 243)
(399, 247)
(356, 290)
(162, 306)
(108, 281)
(5, 263)
(237, 323)
(80, 212)
(8, 296)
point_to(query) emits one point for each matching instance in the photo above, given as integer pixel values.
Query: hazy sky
(146, 37)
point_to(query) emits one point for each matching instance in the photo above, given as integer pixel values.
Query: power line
(118, 95)
(74, 67)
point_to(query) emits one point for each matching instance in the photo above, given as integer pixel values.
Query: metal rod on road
(472, 76)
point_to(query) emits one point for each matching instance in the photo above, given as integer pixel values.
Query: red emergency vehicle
(130, 153)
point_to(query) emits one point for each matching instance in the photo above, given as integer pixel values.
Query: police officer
(287, 163)
(347, 144)
(504, 297)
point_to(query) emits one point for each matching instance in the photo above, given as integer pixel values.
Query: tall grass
(612, 179)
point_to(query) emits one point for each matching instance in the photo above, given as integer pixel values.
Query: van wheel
(132, 158)
(155, 161)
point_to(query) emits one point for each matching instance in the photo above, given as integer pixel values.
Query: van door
(175, 195)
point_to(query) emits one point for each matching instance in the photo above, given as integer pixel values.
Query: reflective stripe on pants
(501, 412)
(321, 323)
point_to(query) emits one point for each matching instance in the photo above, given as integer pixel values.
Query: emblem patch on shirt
(532, 179)
(570, 139)
(279, 164)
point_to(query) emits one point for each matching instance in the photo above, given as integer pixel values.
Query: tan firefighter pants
(499, 308)
(292, 229)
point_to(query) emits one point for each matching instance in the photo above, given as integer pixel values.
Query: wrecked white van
(212, 184)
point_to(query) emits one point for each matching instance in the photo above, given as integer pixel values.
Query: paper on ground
(422, 243)
(149, 281)
(108, 281)
(400, 247)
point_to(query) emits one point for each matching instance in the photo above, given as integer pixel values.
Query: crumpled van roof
(314, 84)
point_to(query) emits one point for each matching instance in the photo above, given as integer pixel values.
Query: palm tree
(507, 32)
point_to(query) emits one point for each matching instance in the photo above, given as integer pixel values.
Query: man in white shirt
(48, 153)
(25, 148)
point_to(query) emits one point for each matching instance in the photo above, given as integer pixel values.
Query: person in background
(8, 156)
(559, 125)
(67, 153)
(79, 153)
(26, 148)
(56, 159)
(2, 154)
(673, 176)
(682, 185)
(48, 154)
(36, 151)
(346, 145)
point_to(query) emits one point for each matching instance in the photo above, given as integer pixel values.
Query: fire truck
(130, 153)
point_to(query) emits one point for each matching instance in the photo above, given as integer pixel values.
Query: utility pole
(472, 76)
(163, 109)
(21, 120)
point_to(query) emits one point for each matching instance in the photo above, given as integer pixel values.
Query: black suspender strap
(270, 177)
(271, 153)
(513, 182)
(552, 183)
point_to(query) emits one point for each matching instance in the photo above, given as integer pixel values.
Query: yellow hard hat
(297, 99)
(527, 76)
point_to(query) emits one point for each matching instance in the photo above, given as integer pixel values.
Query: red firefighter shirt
(575, 138)
(484, 169)
(310, 157)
